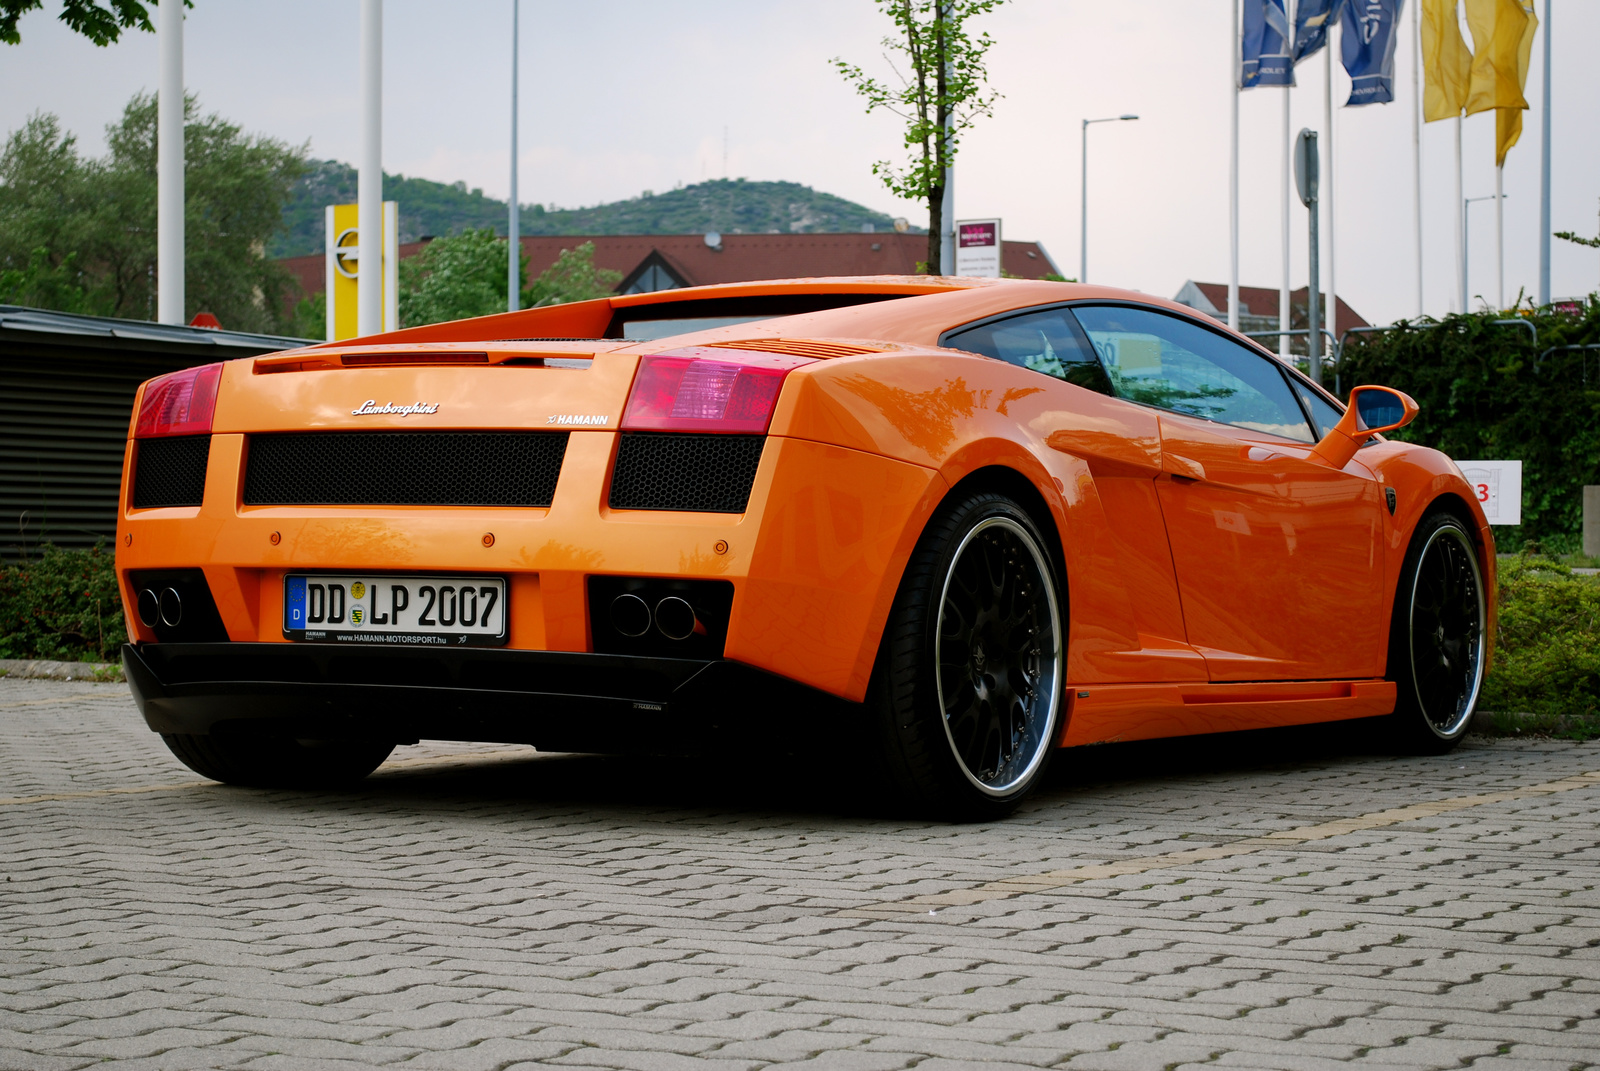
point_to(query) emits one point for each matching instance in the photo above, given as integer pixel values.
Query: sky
(626, 96)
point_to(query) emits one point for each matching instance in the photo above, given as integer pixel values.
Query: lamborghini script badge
(370, 407)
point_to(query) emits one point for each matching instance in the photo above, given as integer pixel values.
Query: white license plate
(439, 611)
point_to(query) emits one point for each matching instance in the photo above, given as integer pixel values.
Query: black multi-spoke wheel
(1436, 647)
(968, 685)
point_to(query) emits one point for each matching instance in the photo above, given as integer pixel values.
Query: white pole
(330, 272)
(1236, 60)
(391, 265)
(1416, 145)
(1499, 238)
(1330, 311)
(1284, 182)
(1461, 230)
(514, 228)
(1544, 172)
(369, 180)
(1083, 209)
(169, 167)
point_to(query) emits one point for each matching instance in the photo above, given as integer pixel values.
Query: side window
(1046, 341)
(1164, 361)
(1323, 414)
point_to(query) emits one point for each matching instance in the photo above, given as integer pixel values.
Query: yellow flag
(1497, 30)
(1446, 63)
(1508, 121)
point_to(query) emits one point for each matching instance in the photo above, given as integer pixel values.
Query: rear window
(665, 318)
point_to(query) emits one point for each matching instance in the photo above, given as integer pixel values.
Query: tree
(454, 278)
(573, 277)
(943, 93)
(464, 275)
(91, 224)
(101, 23)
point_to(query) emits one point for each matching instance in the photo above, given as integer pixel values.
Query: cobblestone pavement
(1279, 900)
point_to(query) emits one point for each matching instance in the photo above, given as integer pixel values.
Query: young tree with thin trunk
(943, 90)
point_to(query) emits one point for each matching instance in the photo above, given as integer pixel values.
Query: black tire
(278, 762)
(1437, 637)
(966, 695)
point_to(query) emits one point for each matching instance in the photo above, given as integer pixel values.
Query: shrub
(61, 605)
(1547, 651)
(1488, 391)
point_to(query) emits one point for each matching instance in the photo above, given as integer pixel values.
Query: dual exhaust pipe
(673, 617)
(165, 608)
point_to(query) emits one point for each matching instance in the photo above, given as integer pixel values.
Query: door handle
(1181, 468)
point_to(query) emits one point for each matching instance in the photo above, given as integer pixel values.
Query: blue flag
(1265, 46)
(1312, 21)
(1371, 31)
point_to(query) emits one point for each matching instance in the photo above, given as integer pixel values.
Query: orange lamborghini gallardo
(979, 520)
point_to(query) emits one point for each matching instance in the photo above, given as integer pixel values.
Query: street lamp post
(1466, 238)
(1083, 224)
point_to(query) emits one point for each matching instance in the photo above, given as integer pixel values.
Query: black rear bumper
(554, 700)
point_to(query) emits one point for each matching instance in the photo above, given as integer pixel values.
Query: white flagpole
(1236, 62)
(1330, 314)
(169, 166)
(1461, 230)
(1416, 143)
(514, 224)
(369, 177)
(1544, 172)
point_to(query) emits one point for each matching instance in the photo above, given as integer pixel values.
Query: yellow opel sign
(344, 267)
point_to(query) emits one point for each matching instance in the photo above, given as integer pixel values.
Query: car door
(1279, 558)
(1121, 445)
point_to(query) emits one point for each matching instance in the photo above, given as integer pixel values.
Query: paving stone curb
(42, 669)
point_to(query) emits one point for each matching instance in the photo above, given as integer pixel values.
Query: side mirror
(1372, 411)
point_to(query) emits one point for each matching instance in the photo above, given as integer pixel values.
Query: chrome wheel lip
(1459, 722)
(1053, 713)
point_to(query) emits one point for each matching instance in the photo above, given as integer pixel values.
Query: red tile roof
(742, 258)
(1261, 301)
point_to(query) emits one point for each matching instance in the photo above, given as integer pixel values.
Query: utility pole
(369, 177)
(169, 167)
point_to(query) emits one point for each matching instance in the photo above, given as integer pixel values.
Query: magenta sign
(981, 235)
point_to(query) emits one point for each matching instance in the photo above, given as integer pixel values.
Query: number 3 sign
(1498, 485)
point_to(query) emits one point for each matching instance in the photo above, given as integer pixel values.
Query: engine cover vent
(403, 468)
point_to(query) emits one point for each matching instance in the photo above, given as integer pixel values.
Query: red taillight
(179, 404)
(685, 393)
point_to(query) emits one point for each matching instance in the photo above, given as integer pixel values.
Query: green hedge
(1486, 394)
(62, 604)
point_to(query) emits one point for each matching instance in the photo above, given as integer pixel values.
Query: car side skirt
(1107, 713)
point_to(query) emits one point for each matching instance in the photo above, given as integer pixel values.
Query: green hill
(733, 206)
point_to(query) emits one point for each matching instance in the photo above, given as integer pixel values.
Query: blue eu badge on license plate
(294, 593)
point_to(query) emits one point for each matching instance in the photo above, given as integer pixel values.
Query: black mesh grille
(702, 473)
(170, 472)
(404, 468)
